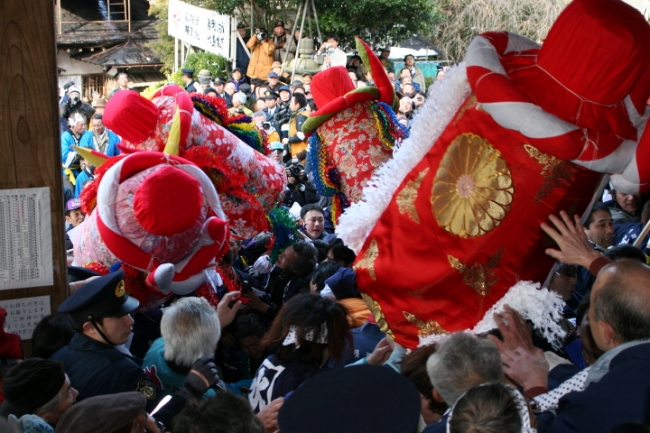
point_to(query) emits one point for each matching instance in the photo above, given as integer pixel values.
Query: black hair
(336, 38)
(321, 247)
(247, 325)
(97, 116)
(625, 252)
(322, 273)
(51, 334)
(596, 208)
(312, 104)
(306, 312)
(307, 258)
(309, 207)
(230, 413)
(342, 253)
(300, 99)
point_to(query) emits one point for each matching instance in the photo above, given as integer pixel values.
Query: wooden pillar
(30, 154)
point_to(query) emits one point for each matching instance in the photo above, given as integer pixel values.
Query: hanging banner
(199, 27)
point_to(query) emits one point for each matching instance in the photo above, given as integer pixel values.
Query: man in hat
(243, 55)
(277, 150)
(73, 217)
(188, 78)
(282, 42)
(99, 105)
(285, 95)
(37, 387)
(219, 86)
(271, 110)
(101, 312)
(72, 103)
(273, 82)
(262, 50)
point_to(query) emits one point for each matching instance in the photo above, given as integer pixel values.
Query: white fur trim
(360, 218)
(540, 306)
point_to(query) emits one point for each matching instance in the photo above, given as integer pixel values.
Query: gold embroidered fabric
(557, 172)
(426, 328)
(375, 309)
(408, 195)
(367, 262)
(477, 276)
(472, 190)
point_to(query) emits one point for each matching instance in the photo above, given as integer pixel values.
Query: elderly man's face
(67, 397)
(78, 127)
(630, 203)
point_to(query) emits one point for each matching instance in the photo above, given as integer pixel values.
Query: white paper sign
(24, 314)
(200, 27)
(25, 238)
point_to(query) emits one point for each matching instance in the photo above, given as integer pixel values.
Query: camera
(261, 34)
(295, 170)
(74, 100)
(266, 125)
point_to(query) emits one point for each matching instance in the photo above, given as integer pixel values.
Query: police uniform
(193, 86)
(271, 115)
(97, 368)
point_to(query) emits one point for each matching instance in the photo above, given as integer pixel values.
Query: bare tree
(462, 20)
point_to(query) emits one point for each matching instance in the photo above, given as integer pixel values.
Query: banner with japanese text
(200, 27)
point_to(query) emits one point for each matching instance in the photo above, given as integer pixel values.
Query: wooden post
(30, 155)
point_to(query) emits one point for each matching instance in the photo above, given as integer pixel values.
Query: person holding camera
(299, 189)
(72, 103)
(262, 50)
(330, 55)
(296, 139)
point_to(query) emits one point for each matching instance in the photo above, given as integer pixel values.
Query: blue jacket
(88, 141)
(620, 396)
(96, 368)
(67, 141)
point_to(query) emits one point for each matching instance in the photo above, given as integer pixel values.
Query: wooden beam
(30, 154)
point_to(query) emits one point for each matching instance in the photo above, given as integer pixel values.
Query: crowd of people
(253, 363)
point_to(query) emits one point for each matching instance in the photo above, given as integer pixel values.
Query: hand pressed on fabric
(269, 415)
(569, 235)
(515, 332)
(528, 368)
(381, 353)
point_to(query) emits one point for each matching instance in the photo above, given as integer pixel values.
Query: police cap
(102, 297)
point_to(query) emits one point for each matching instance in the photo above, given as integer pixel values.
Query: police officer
(101, 312)
(188, 79)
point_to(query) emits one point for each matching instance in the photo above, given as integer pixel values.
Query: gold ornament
(375, 309)
(472, 191)
(407, 197)
(479, 277)
(426, 328)
(558, 173)
(367, 262)
(119, 289)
